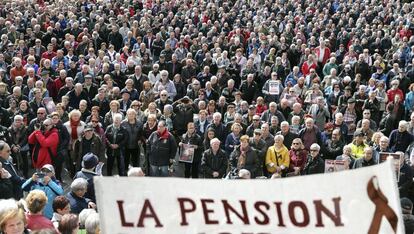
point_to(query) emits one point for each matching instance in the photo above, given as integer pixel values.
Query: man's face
(284, 128)
(402, 128)
(88, 134)
(215, 145)
(368, 155)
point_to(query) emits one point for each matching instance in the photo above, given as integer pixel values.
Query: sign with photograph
(397, 161)
(335, 165)
(274, 87)
(187, 153)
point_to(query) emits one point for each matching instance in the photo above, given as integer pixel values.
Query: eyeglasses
(94, 121)
(134, 105)
(256, 119)
(163, 95)
(314, 150)
(296, 143)
(41, 113)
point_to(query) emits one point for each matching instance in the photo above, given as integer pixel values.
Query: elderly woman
(19, 146)
(298, 155)
(114, 109)
(12, 219)
(134, 129)
(92, 224)
(314, 163)
(36, 203)
(277, 157)
(76, 196)
(147, 95)
(75, 128)
(233, 139)
(166, 84)
(245, 157)
(46, 182)
(169, 117)
(83, 216)
(346, 156)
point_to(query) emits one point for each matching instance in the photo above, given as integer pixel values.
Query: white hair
(91, 223)
(78, 184)
(135, 172)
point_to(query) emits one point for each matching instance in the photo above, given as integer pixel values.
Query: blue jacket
(52, 190)
(231, 142)
(409, 101)
(77, 204)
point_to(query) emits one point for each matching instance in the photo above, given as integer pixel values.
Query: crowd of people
(256, 88)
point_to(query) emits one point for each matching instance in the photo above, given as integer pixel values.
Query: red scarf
(74, 126)
(163, 135)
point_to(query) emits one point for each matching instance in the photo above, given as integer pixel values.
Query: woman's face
(14, 226)
(114, 107)
(75, 117)
(23, 107)
(210, 135)
(236, 130)
(244, 143)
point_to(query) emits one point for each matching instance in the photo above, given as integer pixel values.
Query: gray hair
(92, 223)
(84, 215)
(78, 184)
(315, 146)
(118, 116)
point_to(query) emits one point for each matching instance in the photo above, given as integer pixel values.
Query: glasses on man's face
(41, 113)
(313, 150)
(255, 120)
(163, 95)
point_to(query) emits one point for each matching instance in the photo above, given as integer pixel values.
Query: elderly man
(314, 163)
(286, 133)
(400, 138)
(267, 115)
(367, 159)
(8, 171)
(310, 134)
(319, 112)
(116, 138)
(161, 150)
(214, 162)
(333, 147)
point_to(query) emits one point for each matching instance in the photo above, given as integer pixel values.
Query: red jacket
(326, 55)
(393, 92)
(48, 140)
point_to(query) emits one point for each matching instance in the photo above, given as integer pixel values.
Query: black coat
(211, 163)
(160, 151)
(195, 139)
(15, 179)
(6, 189)
(120, 139)
(314, 165)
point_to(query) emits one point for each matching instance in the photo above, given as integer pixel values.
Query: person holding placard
(195, 141)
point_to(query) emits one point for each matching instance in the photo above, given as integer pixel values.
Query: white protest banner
(349, 202)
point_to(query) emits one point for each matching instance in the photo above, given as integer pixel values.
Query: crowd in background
(257, 88)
